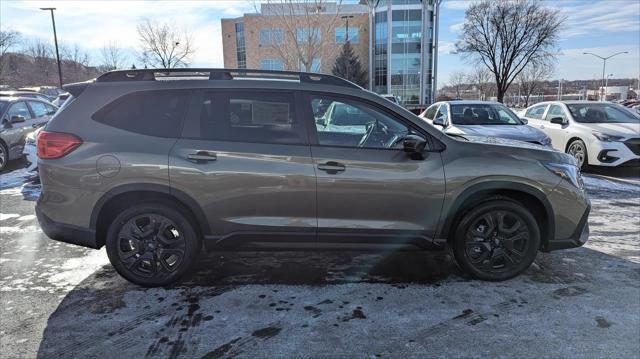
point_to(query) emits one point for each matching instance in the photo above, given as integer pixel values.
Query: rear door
(42, 113)
(14, 133)
(535, 116)
(244, 157)
(369, 189)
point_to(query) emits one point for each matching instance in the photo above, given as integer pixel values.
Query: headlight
(606, 137)
(546, 141)
(570, 173)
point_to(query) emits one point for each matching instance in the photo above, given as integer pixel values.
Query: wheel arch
(526, 195)
(110, 203)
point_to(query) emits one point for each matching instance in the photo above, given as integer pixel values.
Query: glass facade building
(403, 45)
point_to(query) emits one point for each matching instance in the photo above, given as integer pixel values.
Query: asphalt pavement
(60, 300)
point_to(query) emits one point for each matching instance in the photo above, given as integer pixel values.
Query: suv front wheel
(496, 240)
(152, 244)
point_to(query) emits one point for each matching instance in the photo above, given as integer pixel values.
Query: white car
(30, 150)
(594, 133)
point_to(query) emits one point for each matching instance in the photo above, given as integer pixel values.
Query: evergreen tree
(348, 66)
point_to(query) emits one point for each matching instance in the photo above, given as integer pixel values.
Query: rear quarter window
(153, 113)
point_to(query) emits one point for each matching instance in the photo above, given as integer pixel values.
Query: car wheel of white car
(578, 150)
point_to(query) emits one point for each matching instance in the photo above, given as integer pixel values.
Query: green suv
(158, 165)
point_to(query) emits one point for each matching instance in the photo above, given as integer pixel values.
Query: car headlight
(569, 172)
(604, 137)
(546, 141)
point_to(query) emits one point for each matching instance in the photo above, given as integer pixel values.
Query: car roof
(470, 102)
(18, 98)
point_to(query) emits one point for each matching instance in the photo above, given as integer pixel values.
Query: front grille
(634, 145)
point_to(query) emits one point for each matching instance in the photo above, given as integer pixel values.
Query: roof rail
(223, 74)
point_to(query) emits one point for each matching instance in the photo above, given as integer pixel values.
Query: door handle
(332, 167)
(202, 156)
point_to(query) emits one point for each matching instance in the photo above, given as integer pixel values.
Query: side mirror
(524, 120)
(17, 119)
(440, 121)
(558, 121)
(414, 145)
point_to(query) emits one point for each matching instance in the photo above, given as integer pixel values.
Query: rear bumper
(66, 232)
(578, 239)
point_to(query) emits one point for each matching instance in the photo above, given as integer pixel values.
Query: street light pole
(604, 65)
(346, 18)
(606, 85)
(55, 39)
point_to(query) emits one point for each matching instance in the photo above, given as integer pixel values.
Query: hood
(512, 132)
(505, 142)
(619, 129)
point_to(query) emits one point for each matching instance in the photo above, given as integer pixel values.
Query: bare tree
(532, 77)
(303, 24)
(506, 36)
(112, 57)
(481, 78)
(74, 54)
(457, 80)
(165, 45)
(8, 39)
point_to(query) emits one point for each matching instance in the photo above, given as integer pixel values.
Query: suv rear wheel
(496, 240)
(152, 244)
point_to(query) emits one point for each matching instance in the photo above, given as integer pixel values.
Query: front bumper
(577, 239)
(67, 233)
(610, 154)
(31, 155)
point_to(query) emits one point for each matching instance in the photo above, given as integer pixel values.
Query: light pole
(346, 18)
(55, 39)
(606, 85)
(604, 65)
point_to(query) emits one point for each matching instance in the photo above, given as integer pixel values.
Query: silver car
(482, 118)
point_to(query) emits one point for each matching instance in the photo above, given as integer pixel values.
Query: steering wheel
(367, 134)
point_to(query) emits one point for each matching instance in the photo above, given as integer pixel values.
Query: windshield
(483, 114)
(601, 113)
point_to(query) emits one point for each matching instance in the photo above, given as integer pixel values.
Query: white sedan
(594, 133)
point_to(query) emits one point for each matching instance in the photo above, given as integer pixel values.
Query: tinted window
(601, 113)
(19, 109)
(154, 113)
(483, 114)
(262, 117)
(341, 122)
(535, 112)
(40, 109)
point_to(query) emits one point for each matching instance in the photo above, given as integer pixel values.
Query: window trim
(313, 134)
(193, 115)
(118, 100)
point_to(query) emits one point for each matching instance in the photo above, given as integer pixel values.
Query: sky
(603, 27)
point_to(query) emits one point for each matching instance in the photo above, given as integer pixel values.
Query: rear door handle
(202, 156)
(332, 167)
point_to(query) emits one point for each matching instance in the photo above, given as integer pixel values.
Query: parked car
(50, 91)
(594, 133)
(30, 150)
(29, 94)
(59, 101)
(155, 170)
(20, 116)
(482, 118)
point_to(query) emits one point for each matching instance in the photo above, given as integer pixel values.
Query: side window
(555, 111)
(251, 116)
(39, 109)
(153, 113)
(51, 110)
(345, 122)
(19, 109)
(536, 112)
(431, 112)
(443, 111)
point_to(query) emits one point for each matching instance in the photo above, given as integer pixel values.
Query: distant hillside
(20, 70)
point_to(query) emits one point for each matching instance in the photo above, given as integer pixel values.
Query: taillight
(56, 144)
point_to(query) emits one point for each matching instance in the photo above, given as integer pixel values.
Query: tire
(578, 150)
(152, 244)
(4, 156)
(490, 253)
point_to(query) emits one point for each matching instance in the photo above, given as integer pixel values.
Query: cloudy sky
(603, 27)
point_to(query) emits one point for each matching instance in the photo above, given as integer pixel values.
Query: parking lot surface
(59, 300)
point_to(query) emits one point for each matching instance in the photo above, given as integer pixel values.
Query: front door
(244, 157)
(557, 132)
(369, 189)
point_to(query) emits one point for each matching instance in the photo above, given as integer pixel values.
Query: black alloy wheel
(497, 240)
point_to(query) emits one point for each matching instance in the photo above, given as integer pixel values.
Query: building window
(240, 49)
(270, 37)
(341, 33)
(306, 35)
(315, 66)
(271, 64)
